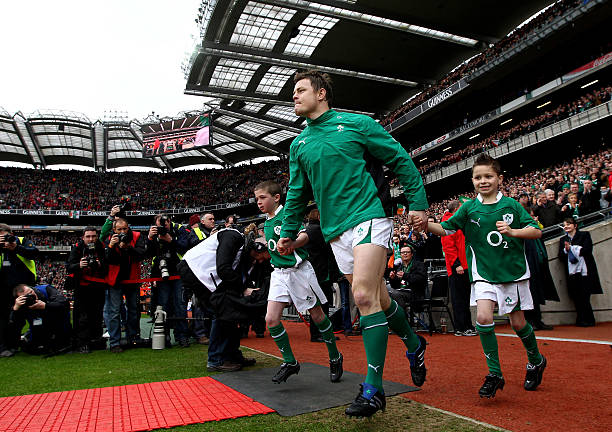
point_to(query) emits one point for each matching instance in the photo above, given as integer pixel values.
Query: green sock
(400, 326)
(531, 345)
(281, 338)
(375, 331)
(489, 346)
(327, 333)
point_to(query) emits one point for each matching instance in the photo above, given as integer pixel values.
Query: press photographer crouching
(166, 243)
(127, 249)
(217, 271)
(47, 312)
(87, 270)
(16, 267)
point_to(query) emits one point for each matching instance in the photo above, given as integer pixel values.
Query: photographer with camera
(127, 249)
(167, 241)
(86, 263)
(217, 271)
(16, 267)
(47, 312)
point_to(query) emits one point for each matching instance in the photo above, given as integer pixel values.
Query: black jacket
(548, 214)
(320, 254)
(582, 238)
(541, 283)
(416, 278)
(590, 202)
(73, 266)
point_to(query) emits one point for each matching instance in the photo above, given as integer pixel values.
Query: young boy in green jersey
(338, 160)
(293, 280)
(494, 227)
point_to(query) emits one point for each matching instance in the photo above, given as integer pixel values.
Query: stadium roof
(378, 53)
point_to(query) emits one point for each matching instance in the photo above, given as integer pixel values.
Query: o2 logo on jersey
(494, 238)
(277, 230)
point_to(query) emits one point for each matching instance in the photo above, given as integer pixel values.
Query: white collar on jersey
(497, 197)
(275, 212)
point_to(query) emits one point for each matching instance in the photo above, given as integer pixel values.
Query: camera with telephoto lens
(90, 254)
(124, 206)
(30, 300)
(163, 264)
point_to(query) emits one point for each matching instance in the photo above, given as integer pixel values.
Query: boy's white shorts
(507, 295)
(297, 285)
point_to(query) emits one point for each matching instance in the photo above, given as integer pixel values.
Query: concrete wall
(563, 312)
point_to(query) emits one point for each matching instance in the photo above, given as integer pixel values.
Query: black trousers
(460, 297)
(87, 313)
(578, 290)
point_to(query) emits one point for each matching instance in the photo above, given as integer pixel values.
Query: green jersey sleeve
(299, 193)
(386, 149)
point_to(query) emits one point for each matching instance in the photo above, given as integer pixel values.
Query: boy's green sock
(528, 338)
(489, 346)
(396, 317)
(327, 333)
(281, 338)
(375, 331)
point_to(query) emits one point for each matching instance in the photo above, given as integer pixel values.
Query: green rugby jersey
(335, 160)
(272, 229)
(491, 256)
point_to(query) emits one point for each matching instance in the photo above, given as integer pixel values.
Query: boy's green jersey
(272, 229)
(491, 256)
(332, 160)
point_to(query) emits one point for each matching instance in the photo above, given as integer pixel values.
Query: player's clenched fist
(504, 228)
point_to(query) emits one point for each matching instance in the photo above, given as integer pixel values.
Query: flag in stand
(401, 209)
(74, 214)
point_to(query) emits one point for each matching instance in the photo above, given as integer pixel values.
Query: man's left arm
(390, 152)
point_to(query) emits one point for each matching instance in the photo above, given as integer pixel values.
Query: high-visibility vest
(30, 264)
(199, 233)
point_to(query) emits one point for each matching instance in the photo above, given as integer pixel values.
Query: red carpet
(127, 408)
(575, 394)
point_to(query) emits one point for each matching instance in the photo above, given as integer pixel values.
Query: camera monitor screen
(173, 136)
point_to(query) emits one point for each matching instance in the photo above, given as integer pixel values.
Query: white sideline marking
(261, 352)
(598, 342)
(464, 417)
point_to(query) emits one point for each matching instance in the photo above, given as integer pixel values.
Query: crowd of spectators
(51, 238)
(494, 51)
(63, 190)
(596, 97)
(563, 178)
(50, 271)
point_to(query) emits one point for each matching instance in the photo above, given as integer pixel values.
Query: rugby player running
(337, 160)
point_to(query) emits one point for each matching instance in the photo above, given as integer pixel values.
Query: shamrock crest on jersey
(508, 218)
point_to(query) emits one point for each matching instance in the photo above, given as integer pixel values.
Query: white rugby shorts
(507, 295)
(297, 285)
(377, 231)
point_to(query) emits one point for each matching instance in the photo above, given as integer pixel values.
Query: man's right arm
(298, 194)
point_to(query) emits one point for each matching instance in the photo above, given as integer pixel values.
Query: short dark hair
(269, 186)
(5, 227)
(227, 218)
(90, 228)
(120, 219)
(570, 220)
(319, 80)
(18, 289)
(486, 160)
